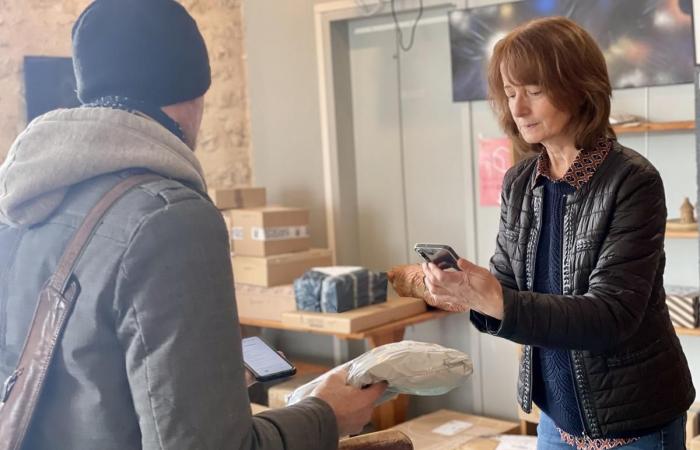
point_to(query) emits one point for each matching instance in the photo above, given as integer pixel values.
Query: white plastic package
(408, 367)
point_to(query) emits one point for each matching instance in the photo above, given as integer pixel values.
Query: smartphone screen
(264, 361)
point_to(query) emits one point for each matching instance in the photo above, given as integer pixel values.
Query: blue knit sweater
(553, 385)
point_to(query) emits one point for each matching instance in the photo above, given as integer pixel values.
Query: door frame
(326, 15)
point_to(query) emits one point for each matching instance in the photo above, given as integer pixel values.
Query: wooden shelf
(364, 334)
(687, 331)
(683, 234)
(655, 126)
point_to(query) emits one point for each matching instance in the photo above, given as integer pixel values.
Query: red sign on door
(495, 158)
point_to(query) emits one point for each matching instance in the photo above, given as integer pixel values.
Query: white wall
(287, 160)
(285, 130)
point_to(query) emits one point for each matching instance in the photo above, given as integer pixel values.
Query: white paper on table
(514, 442)
(452, 427)
(335, 271)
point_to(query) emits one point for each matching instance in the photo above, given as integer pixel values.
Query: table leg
(340, 351)
(528, 428)
(392, 412)
(376, 340)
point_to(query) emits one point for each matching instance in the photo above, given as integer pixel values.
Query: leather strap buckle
(9, 384)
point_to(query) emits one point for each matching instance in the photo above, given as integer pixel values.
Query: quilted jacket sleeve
(500, 263)
(178, 326)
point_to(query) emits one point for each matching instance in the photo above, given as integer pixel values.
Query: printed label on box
(279, 233)
(237, 233)
(452, 427)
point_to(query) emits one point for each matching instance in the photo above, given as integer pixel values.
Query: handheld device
(264, 362)
(441, 255)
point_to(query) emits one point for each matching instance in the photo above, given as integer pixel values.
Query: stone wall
(42, 28)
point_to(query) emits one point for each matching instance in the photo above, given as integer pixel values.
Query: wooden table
(390, 413)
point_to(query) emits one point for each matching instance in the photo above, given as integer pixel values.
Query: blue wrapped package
(352, 288)
(339, 289)
(307, 291)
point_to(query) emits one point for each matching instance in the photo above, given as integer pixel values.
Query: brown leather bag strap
(59, 280)
(20, 393)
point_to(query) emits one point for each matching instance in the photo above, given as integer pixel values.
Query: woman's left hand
(472, 288)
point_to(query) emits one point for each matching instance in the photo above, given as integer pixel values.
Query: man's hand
(352, 406)
(472, 288)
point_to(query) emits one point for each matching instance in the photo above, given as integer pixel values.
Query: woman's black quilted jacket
(629, 369)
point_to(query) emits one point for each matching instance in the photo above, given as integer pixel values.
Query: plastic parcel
(409, 367)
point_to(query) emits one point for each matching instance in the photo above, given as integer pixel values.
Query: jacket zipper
(576, 395)
(563, 283)
(533, 249)
(531, 281)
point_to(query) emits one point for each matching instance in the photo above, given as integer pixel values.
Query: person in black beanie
(151, 353)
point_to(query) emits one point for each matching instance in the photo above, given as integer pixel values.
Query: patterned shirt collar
(582, 169)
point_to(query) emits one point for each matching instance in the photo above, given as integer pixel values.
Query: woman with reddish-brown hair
(577, 276)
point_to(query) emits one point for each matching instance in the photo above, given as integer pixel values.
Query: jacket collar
(581, 170)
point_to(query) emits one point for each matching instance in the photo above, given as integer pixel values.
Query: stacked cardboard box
(271, 245)
(238, 197)
(261, 303)
(274, 393)
(692, 424)
(270, 248)
(694, 443)
(277, 394)
(255, 408)
(278, 270)
(269, 230)
(455, 430)
(229, 199)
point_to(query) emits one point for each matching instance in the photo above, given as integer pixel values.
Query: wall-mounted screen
(49, 83)
(645, 42)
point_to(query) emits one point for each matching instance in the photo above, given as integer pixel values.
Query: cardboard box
(238, 197)
(278, 269)
(255, 408)
(445, 429)
(271, 230)
(277, 394)
(692, 424)
(261, 303)
(357, 319)
(229, 226)
(694, 443)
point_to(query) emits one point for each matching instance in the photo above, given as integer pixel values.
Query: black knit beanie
(148, 50)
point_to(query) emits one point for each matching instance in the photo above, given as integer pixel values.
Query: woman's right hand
(473, 287)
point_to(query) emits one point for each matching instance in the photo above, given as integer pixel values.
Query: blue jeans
(670, 437)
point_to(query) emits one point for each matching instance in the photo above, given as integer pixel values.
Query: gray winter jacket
(151, 356)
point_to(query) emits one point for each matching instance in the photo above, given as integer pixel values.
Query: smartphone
(441, 255)
(264, 362)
